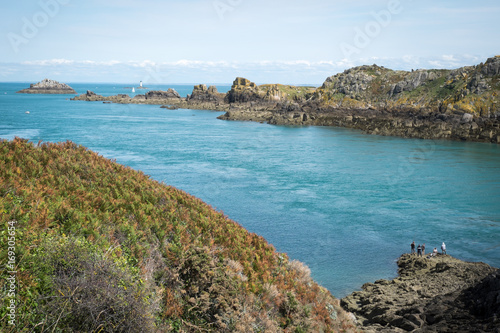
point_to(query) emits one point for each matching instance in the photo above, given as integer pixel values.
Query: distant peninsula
(460, 104)
(47, 86)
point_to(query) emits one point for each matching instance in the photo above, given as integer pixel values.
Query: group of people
(421, 249)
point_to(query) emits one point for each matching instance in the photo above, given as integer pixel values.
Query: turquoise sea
(345, 203)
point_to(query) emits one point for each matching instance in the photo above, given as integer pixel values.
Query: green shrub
(85, 290)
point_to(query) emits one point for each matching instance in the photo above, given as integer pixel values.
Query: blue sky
(213, 41)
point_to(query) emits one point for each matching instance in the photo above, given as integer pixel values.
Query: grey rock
(440, 294)
(203, 94)
(492, 67)
(169, 94)
(47, 86)
(467, 117)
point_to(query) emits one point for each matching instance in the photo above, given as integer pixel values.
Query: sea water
(345, 203)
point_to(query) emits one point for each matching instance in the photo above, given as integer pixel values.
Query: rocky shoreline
(462, 104)
(434, 294)
(407, 124)
(47, 86)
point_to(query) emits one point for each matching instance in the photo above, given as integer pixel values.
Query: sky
(214, 41)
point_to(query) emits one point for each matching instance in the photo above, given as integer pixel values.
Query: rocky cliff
(437, 294)
(47, 86)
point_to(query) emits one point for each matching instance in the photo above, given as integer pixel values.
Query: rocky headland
(47, 86)
(436, 294)
(460, 104)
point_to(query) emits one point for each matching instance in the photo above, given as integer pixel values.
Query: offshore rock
(47, 86)
(434, 294)
(157, 94)
(203, 94)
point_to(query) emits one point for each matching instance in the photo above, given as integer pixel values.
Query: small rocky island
(47, 86)
(435, 294)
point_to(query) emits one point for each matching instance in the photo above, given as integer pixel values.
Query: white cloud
(199, 71)
(450, 57)
(50, 62)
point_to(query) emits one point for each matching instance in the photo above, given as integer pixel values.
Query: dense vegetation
(100, 247)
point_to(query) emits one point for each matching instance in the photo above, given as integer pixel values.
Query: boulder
(467, 118)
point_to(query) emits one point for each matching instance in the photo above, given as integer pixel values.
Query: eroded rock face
(413, 81)
(492, 66)
(242, 91)
(438, 294)
(158, 94)
(203, 94)
(47, 86)
(273, 93)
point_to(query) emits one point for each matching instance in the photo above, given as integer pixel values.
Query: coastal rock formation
(47, 86)
(169, 94)
(243, 91)
(460, 104)
(435, 294)
(203, 94)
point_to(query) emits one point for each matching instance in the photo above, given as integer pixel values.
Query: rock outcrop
(243, 91)
(47, 86)
(435, 294)
(169, 94)
(203, 94)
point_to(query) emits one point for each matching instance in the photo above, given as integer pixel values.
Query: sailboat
(133, 89)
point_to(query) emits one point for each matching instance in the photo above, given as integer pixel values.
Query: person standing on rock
(423, 249)
(419, 250)
(443, 248)
(413, 247)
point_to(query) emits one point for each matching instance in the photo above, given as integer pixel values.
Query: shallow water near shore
(345, 203)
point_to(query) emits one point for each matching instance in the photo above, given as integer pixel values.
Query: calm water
(345, 203)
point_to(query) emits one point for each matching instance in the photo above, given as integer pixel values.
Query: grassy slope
(101, 247)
